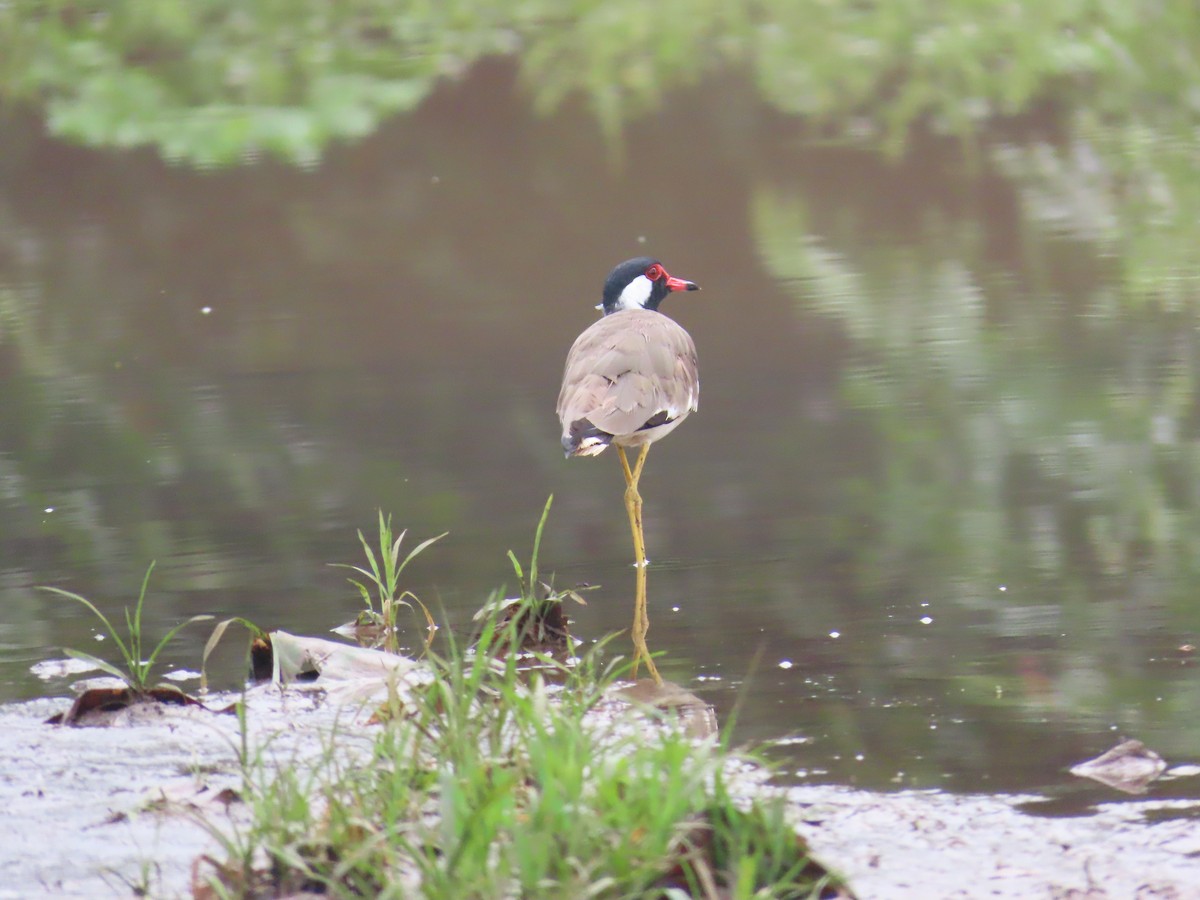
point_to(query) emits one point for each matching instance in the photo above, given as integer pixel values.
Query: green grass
(137, 667)
(493, 781)
(487, 784)
(537, 609)
(382, 582)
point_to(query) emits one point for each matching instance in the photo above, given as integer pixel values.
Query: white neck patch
(636, 294)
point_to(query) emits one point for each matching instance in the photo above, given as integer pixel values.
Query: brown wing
(626, 369)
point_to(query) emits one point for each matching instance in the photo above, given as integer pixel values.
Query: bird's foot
(651, 669)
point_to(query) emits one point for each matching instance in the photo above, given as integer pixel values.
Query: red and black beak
(678, 284)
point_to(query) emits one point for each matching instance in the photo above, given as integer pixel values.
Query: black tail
(584, 439)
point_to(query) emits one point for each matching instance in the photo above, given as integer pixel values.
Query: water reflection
(930, 424)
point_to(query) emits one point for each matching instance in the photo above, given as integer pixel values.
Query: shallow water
(934, 522)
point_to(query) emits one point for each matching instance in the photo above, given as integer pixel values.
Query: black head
(640, 283)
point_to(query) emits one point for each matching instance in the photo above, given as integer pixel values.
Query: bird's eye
(655, 272)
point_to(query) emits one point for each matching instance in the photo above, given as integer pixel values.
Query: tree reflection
(1034, 449)
(223, 82)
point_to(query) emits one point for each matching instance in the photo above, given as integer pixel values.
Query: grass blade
(214, 638)
(108, 626)
(96, 661)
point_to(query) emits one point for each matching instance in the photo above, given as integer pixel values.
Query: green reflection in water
(287, 77)
(1035, 413)
(1034, 463)
(221, 83)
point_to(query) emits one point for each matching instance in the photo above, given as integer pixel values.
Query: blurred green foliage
(211, 82)
(219, 82)
(223, 82)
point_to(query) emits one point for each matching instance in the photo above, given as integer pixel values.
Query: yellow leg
(633, 506)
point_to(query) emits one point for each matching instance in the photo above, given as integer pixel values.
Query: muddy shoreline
(107, 812)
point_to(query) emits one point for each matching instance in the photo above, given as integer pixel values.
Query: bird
(630, 379)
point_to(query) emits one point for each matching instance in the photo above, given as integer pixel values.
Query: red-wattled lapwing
(630, 379)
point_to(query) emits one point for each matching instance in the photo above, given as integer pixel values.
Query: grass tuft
(137, 667)
(382, 582)
(491, 780)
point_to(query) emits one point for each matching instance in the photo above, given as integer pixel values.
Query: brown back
(627, 368)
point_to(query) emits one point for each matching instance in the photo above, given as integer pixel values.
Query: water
(934, 523)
